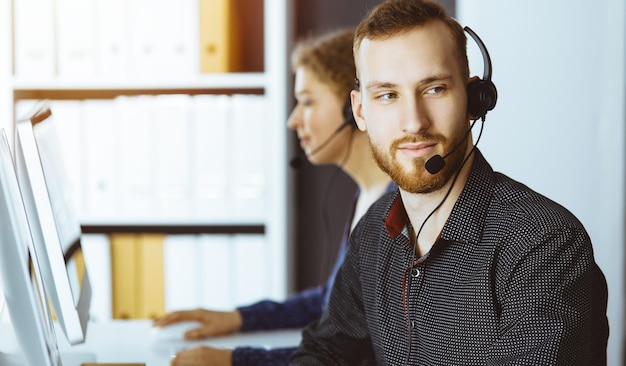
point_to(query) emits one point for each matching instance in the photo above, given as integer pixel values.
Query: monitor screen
(20, 275)
(54, 226)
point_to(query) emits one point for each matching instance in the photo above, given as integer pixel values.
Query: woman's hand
(203, 356)
(214, 323)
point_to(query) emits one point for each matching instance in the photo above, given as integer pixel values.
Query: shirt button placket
(416, 284)
(415, 306)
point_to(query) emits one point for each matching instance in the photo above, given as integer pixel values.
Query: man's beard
(419, 180)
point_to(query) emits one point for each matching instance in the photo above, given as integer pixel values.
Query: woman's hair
(330, 57)
(392, 17)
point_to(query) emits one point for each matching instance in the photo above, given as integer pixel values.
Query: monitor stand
(67, 358)
(77, 358)
(12, 355)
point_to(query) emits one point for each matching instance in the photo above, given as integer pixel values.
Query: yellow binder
(138, 286)
(151, 291)
(123, 277)
(219, 36)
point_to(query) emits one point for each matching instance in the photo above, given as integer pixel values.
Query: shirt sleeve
(252, 356)
(340, 336)
(296, 312)
(553, 303)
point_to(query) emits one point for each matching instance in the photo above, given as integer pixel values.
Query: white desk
(131, 341)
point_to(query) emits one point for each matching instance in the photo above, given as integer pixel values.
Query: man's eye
(435, 90)
(386, 97)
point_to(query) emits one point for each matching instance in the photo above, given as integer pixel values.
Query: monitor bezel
(20, 274)
(69, 298)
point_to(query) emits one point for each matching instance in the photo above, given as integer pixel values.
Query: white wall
(559, 66)
(6, 97)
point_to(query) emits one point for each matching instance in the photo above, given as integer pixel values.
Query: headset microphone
(481, 98)
(437, 162)
(297, 161)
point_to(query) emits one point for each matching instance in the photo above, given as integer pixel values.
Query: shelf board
(168, 221)
(199, 82)
(173, 228)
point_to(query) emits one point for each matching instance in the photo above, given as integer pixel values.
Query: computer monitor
(55, 229)
(20, 275)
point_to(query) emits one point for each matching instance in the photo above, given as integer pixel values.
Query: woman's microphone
(297, 161)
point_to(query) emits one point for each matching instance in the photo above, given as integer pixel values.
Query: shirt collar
(468, 215)
(396, 218)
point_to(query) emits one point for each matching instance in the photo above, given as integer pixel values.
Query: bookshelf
(264, 38)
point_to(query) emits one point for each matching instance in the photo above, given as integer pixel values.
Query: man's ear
(357, 109)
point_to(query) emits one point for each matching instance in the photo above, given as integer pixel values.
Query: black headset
(348, 117)
(348, 120)
(481, 93)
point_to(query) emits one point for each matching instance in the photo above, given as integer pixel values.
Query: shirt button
(415, 272)
(413, 324)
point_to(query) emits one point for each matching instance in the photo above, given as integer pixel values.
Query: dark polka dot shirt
(297, 311)
(511, 281)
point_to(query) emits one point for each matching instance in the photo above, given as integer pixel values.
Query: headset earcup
(481, 97)
(348, 117)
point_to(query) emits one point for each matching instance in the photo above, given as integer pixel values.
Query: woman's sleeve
(295, 312)
(251, 356)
